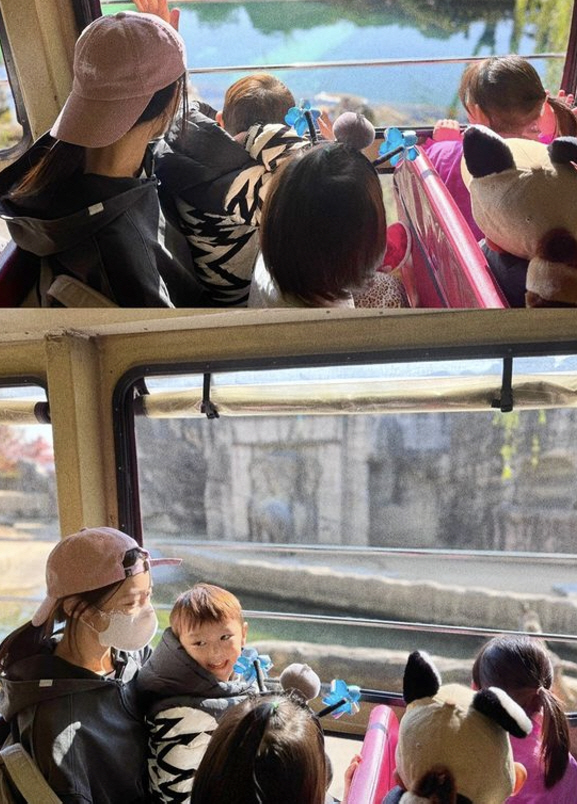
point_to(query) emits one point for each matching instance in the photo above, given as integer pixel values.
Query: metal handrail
(316, 65)
(356, 550)
(399, 625)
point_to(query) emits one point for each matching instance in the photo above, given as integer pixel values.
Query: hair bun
(353, 128)
(302, 679)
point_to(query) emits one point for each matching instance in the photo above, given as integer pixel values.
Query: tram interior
(360, 504)
(359, 510)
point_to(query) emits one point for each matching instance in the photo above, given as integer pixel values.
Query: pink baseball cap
(91, 559)
(120, 61)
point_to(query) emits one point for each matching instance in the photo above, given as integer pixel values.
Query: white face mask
(129, 631)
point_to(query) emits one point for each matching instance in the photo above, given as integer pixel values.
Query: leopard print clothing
(383, 290)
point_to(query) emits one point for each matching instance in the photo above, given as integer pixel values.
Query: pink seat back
(374, 776)
(447, 267)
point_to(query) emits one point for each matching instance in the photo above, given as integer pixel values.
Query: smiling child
(188, 684)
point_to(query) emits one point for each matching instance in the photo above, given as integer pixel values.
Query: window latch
(207, 406)
(505, 401)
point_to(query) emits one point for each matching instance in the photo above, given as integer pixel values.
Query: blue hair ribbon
(253, 667)
(398, 145)
(341, 700)
(303, 117)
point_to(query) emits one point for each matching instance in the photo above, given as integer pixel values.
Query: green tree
(550, 21)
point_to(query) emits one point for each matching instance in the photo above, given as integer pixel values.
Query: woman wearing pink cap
(64, 676)
(84, 199)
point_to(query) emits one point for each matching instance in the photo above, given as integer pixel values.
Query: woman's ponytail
(555, 741)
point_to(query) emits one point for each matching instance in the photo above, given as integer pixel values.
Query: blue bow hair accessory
(303, 117)
(342, 699)
(398, 145)
(251, 666)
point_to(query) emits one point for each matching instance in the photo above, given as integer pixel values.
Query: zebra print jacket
(212, 188)
(184, 703)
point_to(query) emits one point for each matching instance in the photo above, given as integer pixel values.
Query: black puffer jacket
(184, 703)
(213, 187)
(86, 733)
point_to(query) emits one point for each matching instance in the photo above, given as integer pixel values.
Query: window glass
(301, 502)
(264, 34)
(11, 131)
(28, 511)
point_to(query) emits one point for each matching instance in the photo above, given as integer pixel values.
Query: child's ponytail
(554, 739)
(566, 120)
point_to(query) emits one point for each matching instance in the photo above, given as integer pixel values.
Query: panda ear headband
(522, 198)
(453, 743)
(422, 680)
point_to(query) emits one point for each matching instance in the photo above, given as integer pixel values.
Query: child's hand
(569, 99)
(447, 130)
(160, 8)
(349, 773)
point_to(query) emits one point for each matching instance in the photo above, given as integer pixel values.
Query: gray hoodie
(184, 703)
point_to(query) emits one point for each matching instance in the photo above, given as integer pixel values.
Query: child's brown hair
(509, 92)
(201, 604)
(256, 98)
(522, 667)
(266, 750)
(323, 224)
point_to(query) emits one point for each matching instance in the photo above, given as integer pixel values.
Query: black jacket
(184, 703)
(212, 187)
(108, 233)
(86, 733)
(510, 273)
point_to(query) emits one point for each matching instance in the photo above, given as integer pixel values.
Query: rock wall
(458, 480)
(382, 597)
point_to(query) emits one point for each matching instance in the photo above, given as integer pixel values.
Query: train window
(350, 507)
(399, 62)
(14, 128)
(28, 519)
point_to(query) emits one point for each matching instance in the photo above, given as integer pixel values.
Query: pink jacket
(445, 157)
(527, 752)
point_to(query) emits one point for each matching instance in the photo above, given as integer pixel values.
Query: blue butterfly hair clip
(253, 667)
(303, 117)
(342, 699)
(398, 145)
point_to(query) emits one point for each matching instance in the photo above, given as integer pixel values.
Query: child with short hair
(268, 750)
(324, 235)
(522, 666)
(505, 94)
(256, 98)
(213, 179)
(188, 684)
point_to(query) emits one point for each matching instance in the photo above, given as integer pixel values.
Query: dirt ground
(341, 751)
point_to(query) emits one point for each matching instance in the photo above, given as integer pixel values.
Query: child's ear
(520, 777)
(244, 633)
(219, 119)
(476, 116)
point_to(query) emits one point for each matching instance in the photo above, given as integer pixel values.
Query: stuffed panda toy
(523, 199)
(453, 743)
